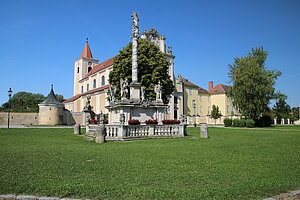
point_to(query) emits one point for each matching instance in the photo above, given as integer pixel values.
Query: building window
(190, 92)
(175, 114)
(77, 69)
(201, 98)
(208, 99)
(89, 66)
(94, 83)
(227, 109)
(201, 109)
(102, 80)
(81, 89)
(87, 87)
(208, 110)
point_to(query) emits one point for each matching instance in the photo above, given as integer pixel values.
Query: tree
(152, 65)
(26, 102)
(253, 84)
(215, 113)
(281, 109)
(295, 113)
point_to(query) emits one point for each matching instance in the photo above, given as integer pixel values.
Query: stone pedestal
(204, 131)
(77, 129)
(135, 91)
(100, 134)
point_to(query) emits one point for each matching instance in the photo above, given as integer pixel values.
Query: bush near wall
(227, 122)
(250, 123)
(236, 123)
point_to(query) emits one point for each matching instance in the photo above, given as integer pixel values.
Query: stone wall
(19, 118)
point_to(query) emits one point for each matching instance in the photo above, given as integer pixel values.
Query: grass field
(231, 164)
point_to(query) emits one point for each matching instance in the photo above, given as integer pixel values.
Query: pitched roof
(220, 88)
(51, 99)
(85, 93)
(86, 53)
(189, 83)
(202, 90)
(99, 67)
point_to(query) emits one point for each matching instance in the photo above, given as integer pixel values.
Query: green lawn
(289, 127)
(231, 164)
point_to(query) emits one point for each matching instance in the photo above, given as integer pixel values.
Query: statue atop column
(135, 86)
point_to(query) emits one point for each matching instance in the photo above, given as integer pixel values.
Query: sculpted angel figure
(124, 88)
(112, 93)
(158, 90)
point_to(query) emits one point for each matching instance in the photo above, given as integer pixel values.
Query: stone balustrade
(123, 132)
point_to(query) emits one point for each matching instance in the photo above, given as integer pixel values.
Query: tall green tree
(253, 84)
(282, 109)
(152, 68)
(215, 113)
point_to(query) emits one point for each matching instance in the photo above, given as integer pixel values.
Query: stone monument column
(135, 86)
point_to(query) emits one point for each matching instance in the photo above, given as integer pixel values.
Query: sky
(40, 39)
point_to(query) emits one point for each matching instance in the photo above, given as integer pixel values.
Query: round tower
(51, 110)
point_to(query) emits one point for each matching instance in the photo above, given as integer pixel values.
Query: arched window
(87, 87)
(102, 80)
(81, 89)
(89, 66)
(94, 83)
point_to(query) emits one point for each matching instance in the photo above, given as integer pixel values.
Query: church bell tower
(82, 66)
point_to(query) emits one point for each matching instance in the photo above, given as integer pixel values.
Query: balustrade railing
(121, 132)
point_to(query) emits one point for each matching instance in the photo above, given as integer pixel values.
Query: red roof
(85, 93)
(86, 53)
(99, 67)
(220, 88)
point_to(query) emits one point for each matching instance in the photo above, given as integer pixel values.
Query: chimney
(210, 85)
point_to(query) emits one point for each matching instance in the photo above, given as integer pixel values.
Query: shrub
(171, 121)
(264, 121)
(227, 122)
(236, 122)
(250, 123)
(134, 122)
(151, 121)
(242, 123)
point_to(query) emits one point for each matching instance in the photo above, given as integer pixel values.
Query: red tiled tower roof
(86, 53)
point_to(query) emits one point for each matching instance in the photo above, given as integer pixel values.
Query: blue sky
(41, 39)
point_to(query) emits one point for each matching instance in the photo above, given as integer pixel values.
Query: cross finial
(51, 86)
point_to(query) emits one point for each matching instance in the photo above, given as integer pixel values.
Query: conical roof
(86, 53)
(51, 99)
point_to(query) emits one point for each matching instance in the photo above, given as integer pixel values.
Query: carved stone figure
(112, 93)
(135, 26)
(88, 106)
(122, 118)
(158, 90)
(143, 94)
(124, 88)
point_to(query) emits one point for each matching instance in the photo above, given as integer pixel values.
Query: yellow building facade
(196, 102)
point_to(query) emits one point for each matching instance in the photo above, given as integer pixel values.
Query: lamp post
(194, 105)
(8, 115)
